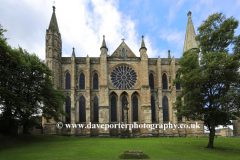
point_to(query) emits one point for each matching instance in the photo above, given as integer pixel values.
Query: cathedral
(98, 87)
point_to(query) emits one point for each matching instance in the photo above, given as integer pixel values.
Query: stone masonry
(104, 66)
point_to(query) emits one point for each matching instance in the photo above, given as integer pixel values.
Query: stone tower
(53, 61)
(190, 42)
(54, 50)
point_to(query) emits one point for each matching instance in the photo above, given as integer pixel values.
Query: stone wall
(103, 66)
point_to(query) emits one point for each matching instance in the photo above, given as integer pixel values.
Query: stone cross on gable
(123, 39)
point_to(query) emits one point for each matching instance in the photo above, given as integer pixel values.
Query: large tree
(37, 89)
(10, 66)
(211, 85)
(26, 88)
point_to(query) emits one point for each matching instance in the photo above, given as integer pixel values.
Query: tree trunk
(10, 122)
(211, 137)
(25, 128)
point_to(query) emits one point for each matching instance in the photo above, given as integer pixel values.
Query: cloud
(173, 37)
(175, 7)
(26, 22)
(152, 51)
(237, 3)
(82, 25)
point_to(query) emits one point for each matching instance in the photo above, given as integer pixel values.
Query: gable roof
(125, 46)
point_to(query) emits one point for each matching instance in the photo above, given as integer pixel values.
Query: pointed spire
(143, 44)
(88, 59)
(73, 53)
(104, 44)
(53, 23)
(190, 42)
(159, 59)
(169, 55)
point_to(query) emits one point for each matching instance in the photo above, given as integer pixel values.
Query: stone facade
(138, 92)
(224, 132)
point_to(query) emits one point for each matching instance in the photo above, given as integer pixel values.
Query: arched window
(82, 109)
(95, 108)
(95, 81)
(177, 84)
(113, 109)
(151, 81)
(124, 98)
(123, 53)
(153, 108)
(82, 81)
(68, 81)
(165, 109)
(164, 81)
(68, 109)
(135, 108)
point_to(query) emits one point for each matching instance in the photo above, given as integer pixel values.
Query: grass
(60, 147)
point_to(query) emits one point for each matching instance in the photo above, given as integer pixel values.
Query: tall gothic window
(82, 109)
(177, 84)
(135, 108)
(151, 81)
(123, 53)
(165, 109)
(95, 108)
(113, 109)
(82, 81)
(68, 81)
(124, 98)
(95, 81)
(164, 81)
(68, 109)
(153, 108)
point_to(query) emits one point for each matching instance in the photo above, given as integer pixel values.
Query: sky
(82, 23)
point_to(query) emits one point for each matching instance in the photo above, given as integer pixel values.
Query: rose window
(123, 77)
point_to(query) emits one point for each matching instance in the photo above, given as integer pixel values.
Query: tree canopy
(211, 85)
(26, 88)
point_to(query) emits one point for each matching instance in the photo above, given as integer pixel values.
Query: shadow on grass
(217, 149)
(129, 156)
(19, 140)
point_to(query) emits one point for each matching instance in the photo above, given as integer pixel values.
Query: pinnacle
(143, 44)
(73, 53)
(104, 43)
(190, 42)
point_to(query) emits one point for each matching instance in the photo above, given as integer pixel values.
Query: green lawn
(60, 147)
